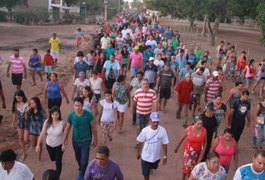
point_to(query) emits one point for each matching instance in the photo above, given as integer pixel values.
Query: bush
(3, 16)
(261, 21)
(30, 15)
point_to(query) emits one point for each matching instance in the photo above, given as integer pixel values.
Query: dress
(36, 121)
(21, 121)
(191, 150)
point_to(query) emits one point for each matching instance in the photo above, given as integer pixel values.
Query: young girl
(107, 109)
(19, 108)
(48, 62)
(250, 71)
(35, 65)
(125, 61)
(89, 100)
(36, 117)
(53, 127)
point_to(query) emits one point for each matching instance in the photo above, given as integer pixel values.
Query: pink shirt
(136, 59)
(250, 71)
(225, 154)
(118, 56)
(16, 64)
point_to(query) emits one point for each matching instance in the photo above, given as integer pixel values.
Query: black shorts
(262, 78)
(1, 89)
(54, 102)
(164, 93)
(17, 79)
(147, 166)
(124, 65)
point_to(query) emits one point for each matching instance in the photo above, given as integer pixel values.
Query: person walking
(12, 169)
(84, 129)
(17, 65)
(102, 167)
(211, 169)
(19, 108)
(142, 104)
(55, 45)
(106, 119)
(225, 146)
(111, 69)
(254, 170)
(213, 87)
(194, 147)
(259, 125)
(35, 65)
(164, 84)
(121, 94)
(240, 110)
(53, 90)
(36, 116)
(53, 128)
(150, 141)
(184, 89)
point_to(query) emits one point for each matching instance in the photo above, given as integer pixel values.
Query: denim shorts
(142, 120)
(249, 79)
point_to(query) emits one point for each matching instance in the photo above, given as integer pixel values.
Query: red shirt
(144, 100)
(184, 89)
(48, 60)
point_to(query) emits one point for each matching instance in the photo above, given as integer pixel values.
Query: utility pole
(106, 10)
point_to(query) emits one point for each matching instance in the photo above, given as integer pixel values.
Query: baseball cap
(136, 48)
(151, 59)
(215, 73)
(155, 117)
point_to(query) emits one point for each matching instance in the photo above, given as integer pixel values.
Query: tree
(9, 4)
(261, 20)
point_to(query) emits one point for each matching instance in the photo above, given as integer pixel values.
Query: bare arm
(113, 90)
(214, 144)
(8, 69)
(164, 146)
(42, 135)
(94, 132)
(66, 133)
(25, 70)
(64, 94)
(74, 90)
(182, 139)
(229, 96)
(139, 149)
(204, 147)
(231, 112)
(100, 109)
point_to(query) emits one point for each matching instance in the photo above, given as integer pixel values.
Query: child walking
(107, 111)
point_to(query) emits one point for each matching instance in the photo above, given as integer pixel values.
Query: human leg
(33, 77)
(85, 147)
(21, 142)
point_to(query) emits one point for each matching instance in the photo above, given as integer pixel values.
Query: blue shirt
(181, 61)
(114, 65)
(54, 90)
(183, 72)
(34, 59)
(192, 59)
(246, 172)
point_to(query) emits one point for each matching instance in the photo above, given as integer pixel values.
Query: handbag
(260, 120)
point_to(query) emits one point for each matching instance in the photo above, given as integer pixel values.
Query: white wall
(38, 3)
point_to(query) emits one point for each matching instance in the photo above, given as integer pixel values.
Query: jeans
(260, 129)
(81, 155)
(142, 120)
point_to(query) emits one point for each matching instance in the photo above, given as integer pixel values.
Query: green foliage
(261, 20)
(9, 4)
(3, 16)
(30, 16)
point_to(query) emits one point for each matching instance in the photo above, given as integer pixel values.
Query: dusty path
(122, 147)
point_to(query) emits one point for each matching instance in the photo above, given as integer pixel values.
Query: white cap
(151, 59)
(215, 73)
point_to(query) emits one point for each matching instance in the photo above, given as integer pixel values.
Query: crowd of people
(135, 62)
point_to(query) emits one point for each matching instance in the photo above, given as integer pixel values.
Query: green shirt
(108, 52)
(198, 54)
(174, 43)
(81, 126)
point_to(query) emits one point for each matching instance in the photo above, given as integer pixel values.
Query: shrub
(31, 15)
(3, 16)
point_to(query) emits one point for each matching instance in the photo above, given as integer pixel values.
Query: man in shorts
(150, 140)
(17, 65)
(164, 82)
(55, 45)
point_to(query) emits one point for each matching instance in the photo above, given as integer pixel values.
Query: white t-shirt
(108, 112)
(55, 135)
(201, 172)
(18, 172)
(153, 141)
(76, 60)
(104, 42)
(95, 84)
(80, 85)
(206, 73)
(159, 64)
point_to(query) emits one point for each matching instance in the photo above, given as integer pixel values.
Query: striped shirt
(144, 100)
(16, 64)
(213, 87)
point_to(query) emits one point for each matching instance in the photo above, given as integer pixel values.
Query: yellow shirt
(55, 43)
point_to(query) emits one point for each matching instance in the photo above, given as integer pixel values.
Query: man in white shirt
(11, 169)
(104, 41)
(150, 141)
